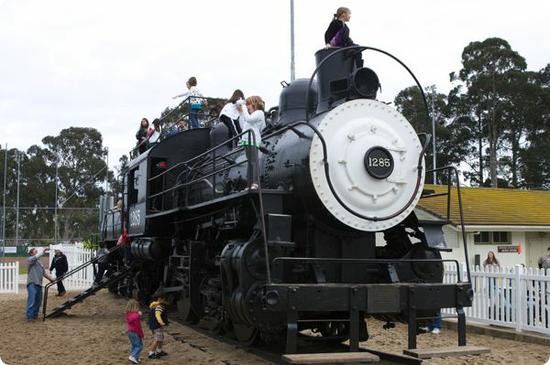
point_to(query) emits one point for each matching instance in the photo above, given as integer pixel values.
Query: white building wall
(505, 258)
(533, 245)
(537, 244)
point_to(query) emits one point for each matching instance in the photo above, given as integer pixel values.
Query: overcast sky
(106, 64)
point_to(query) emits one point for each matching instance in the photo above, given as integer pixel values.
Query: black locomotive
(299, 253)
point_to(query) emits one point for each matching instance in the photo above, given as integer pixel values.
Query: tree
(486, 72)
(451, 142)
(536, 156)
(80, 159)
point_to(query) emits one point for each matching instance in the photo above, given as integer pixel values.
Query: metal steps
(106, 281)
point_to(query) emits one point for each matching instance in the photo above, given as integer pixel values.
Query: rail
(172, 128)
(311, 260)
(67, 274)
(198, 163)
(116, 226)
(451, 170)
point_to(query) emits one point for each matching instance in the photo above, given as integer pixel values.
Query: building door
(536, 244)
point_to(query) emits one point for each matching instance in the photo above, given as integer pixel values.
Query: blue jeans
(34, 300)
(436, 323)
(137, 344)
(193, 119)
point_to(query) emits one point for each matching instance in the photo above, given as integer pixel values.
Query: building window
(492, 238)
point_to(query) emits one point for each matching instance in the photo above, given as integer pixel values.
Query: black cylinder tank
(150, 249)
(292, 101)
(332, 76)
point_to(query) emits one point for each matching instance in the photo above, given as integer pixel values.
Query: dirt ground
(502, 351)
(94, 333)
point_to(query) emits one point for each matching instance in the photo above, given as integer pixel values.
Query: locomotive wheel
(245, 334)
(186, 311)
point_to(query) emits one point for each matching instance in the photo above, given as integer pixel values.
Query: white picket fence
(510, 296)
(9, 277)
(76, 256)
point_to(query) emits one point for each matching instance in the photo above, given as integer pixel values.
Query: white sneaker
(436, 331)
(133, 360)
(425, 329)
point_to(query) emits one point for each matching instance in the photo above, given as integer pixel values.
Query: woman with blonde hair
(252, 119)
(337, 33)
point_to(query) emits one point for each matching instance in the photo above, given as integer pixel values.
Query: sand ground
(94, 333)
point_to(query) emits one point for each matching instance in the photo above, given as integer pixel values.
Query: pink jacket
(134, 323)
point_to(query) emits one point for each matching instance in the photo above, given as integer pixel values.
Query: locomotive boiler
(337, 167)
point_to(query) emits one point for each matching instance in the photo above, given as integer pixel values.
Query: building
(513, 223)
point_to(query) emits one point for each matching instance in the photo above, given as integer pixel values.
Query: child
(135, 332)
(337, 33)
(158, 319)
(229, 114)
(252, 118)
(196, 101)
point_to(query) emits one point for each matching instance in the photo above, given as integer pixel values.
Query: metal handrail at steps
(69, 273)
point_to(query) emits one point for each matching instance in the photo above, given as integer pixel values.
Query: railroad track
(273, 355)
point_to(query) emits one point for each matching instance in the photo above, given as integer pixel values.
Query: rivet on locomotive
(299, 253)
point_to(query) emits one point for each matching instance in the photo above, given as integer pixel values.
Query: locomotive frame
(237, 259)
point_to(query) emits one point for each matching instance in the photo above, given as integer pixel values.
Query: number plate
(378, 162)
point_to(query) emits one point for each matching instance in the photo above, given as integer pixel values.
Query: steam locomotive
(337, 167)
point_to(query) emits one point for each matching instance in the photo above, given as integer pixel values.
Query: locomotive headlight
(372, 182)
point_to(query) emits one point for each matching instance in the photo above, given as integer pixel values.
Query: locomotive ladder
(106, 281)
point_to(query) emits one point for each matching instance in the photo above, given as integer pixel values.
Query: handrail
(187, 162)
(67, 274)
(451, 169)
(186, 101)
(225, 166)
(364, 261)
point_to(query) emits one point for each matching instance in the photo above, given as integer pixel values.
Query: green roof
(491, 206)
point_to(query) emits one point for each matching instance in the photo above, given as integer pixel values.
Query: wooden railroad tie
(446, 351)
(330, 358)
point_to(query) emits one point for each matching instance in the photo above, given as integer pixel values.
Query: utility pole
(17, 157)
(55, 206)
(434, 139)
(292, 71)
(4, 201)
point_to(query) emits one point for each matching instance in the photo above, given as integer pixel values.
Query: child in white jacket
(252, 118)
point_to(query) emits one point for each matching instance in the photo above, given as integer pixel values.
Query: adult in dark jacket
(142, 136)
(61, 266)
(337, 33)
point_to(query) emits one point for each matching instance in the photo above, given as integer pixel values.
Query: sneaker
(254, 187)
(436, 331)
(133, 360)
(161, 353)
(153, 356)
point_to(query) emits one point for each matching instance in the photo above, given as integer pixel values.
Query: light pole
(4, 201)
(292, 71)
(17, 210)
(433, 139)
(55, 206)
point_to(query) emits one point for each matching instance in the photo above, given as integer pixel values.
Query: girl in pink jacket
(135, 332)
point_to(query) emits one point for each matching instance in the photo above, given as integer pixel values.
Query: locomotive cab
(144, 195)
